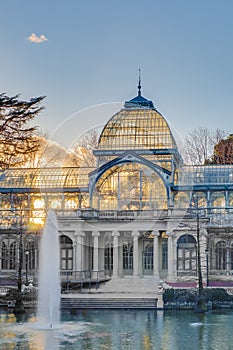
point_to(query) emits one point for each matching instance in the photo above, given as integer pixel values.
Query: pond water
(121, 329)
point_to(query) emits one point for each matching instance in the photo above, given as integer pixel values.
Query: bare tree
(199, 145)
(50, 154)
(16, 136)
(83, 150)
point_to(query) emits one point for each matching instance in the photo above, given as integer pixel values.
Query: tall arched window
(8, 261)
(30, 255)
(128, 256)
(148, 257)
(221, 255)
(108, 257)
(186, 253)
(66, 249)
(4, 256)
(12, 256)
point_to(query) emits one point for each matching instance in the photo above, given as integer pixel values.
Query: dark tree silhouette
(16, 135)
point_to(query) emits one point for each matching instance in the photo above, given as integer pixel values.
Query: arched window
(8, 261)
(108, 257)
(148, 257)
(30, 255)
(164, 251)
(4, 256)
(66, 249)
(128, 256)
(12, 256)
(221, 255)
(186, 253)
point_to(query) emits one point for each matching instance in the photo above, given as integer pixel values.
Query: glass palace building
(140, 212)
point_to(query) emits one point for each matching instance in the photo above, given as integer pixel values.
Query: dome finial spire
(139, 82)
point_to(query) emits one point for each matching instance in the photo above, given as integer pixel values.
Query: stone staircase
(108, 303)
(131, 285)
(130, 292)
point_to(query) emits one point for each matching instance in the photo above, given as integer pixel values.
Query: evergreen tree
(16, 135)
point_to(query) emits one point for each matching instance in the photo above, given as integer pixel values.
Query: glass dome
(139, 126)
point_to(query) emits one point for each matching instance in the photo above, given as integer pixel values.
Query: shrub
(217, 295)
(180, 296)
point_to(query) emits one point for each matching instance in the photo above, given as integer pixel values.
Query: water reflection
(121, 329)
(44, 340)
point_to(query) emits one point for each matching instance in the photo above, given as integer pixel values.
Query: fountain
(49, 276)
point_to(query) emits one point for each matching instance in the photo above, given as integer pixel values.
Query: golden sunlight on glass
(71, 204)
(39, 203)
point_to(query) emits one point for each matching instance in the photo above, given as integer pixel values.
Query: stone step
(131, 285)
(108, 303)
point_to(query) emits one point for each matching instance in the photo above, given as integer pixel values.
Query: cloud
(37, 39)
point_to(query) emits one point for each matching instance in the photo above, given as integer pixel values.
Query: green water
(121, 329)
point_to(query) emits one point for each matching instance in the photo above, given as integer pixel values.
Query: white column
(156, 254)
(203, 239)
(135, 235)
(74, 255)
(101, 247)
(120, 253)
(115, 271)
(79, 250)
(96, 235)
(170, 257)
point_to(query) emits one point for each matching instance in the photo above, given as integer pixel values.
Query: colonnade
(85, 241)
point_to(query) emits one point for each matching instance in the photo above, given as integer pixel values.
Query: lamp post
(207, 266)
(19, 306)
(201, 305)
(200, 283)
(26, 262)
(20, 263)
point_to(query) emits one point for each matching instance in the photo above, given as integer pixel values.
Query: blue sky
(91, 52)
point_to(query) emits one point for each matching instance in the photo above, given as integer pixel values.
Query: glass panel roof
(136, 129)
(45, 177)
(204, 174)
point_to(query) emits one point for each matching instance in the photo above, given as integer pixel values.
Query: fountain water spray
(49, 275)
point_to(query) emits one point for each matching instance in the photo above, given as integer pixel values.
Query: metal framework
(136, 129)
(33, 179)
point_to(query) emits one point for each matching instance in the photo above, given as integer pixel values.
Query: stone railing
(217, 217)
(84, 275)
(130, 214)
(221, 219)
(112, 214)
